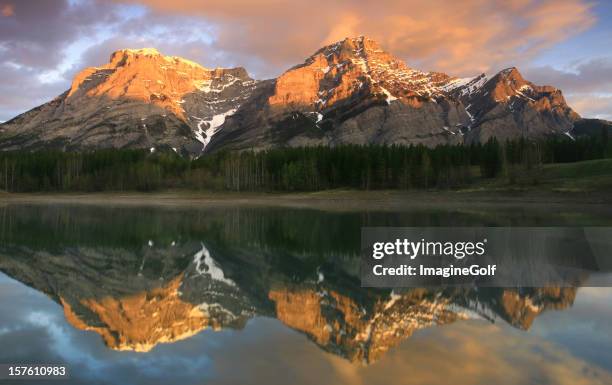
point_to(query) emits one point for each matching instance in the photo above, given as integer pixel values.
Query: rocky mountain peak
(147, 75)
(124, 57)
(511, 74)
(350, 48)
(508, 83)
(353, 67)
(506, 100)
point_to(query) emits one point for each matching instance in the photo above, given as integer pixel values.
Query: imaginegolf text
(446, 272)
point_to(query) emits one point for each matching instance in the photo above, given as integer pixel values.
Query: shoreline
(329, 199)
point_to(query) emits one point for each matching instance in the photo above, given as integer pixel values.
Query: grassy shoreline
(331, 199)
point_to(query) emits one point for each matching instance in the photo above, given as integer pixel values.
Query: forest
(369, 167)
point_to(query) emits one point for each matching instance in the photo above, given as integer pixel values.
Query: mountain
(348, 92)
(140, 99)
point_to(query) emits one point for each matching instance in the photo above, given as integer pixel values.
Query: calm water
(236, 295)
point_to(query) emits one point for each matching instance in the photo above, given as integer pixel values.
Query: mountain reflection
(141, 277)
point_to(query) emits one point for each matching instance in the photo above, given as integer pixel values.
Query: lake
(233, 294)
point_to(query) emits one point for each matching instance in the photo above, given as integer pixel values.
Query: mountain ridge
(348, 92)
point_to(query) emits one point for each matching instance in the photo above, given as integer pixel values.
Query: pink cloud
(457, 37)
(592, 106)
(7, 10)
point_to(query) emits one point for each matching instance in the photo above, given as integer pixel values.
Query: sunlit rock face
(143, 75)
(351, 91)
(340, 325)
(522, 310)
(141, 321)
(350, 68)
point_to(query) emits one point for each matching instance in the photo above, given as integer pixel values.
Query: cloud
(588, 76)
(7, 10)
(475, 353)
(585, 329)
(458, 37)
(587, 85)
(20, 89)
(175, 35)
(34, 39)
(592, 106)
(38, 32)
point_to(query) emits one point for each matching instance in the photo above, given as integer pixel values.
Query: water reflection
(143, 279)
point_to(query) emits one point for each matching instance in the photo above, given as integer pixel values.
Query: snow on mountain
(205, 264)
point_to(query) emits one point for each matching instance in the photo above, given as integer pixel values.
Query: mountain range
(350, 92)
(132, 310)
(219, 269)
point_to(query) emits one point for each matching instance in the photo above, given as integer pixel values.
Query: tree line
(367, 167)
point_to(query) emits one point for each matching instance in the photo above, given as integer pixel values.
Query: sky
(564, 43)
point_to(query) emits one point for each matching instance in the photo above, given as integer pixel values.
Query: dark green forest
(293, 169)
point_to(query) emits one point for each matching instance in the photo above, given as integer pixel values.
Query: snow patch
(205, 264)
(204, 135)
(467, 111)
(202, 85)
(143, 51)
(445, 128)
(388, 94)
(206, 85)
(455, 83)
(392, 300)
(474, 85)
(523, 95)
(208, 308)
